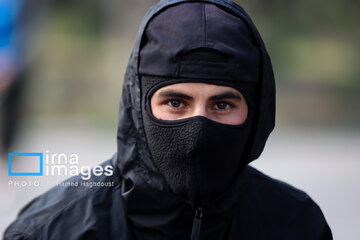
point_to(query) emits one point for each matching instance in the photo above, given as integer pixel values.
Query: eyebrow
(225, 95)
(172, 93)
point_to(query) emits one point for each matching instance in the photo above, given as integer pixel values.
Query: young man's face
(183, 100)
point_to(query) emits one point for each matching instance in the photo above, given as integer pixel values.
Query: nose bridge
(200, 110)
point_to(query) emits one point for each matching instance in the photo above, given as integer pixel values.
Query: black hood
(144, 188)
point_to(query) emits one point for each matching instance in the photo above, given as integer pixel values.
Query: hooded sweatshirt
(184, 179)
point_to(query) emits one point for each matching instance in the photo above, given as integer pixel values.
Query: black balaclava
(198, 42)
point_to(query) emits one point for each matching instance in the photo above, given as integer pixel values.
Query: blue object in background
(9, 35)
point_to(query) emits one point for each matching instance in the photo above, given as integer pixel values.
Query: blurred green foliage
(315, 49)
(314, 45)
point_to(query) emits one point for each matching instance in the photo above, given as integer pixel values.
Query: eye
(175, 103)
(222, 106)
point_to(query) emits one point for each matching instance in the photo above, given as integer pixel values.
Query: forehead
(197, 88)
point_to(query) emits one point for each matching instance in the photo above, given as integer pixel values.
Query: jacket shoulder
(273, 187)
(285, 210)
(72, 210)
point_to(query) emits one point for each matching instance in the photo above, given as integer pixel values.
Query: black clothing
(142, 204)
(191, 42)
(265, 209)
(198, 157)
(11, 108)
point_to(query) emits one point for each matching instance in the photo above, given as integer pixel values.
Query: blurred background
(61, 69)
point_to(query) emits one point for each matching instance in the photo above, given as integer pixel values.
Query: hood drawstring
(195, 233)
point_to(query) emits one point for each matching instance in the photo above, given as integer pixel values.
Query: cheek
(236, 117)
(156, 110)
(162, 112)
(241, 115)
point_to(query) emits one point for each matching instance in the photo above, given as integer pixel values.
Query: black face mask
(198, 157)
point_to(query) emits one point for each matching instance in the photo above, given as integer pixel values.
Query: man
(12, 70)
(197, 106)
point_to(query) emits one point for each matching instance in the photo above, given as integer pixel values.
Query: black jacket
(138, 204)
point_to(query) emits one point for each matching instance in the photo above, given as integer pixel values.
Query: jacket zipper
(195, 232)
